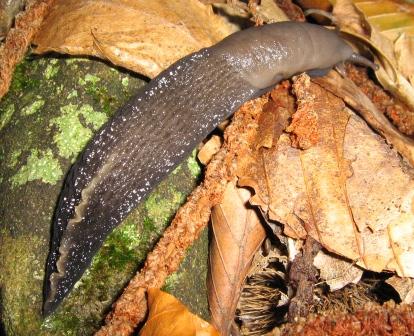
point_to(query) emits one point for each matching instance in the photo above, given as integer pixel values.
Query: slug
(149, 136)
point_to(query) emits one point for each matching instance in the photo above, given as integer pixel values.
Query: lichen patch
(73, 135)
(40, 165)
(33, 107)
(6, 116)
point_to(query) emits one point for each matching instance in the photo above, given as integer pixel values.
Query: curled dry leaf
(237, 235)
(347, 17)
(329, 191)
(387, 27)
(143, 36)
(337, 272)
(168, 316)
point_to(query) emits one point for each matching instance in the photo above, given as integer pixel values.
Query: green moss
(98, 92)
(21, 80)
(6, 116)
(33, 108)
(93, 118)
(23, 274)
(193, 165)
(59, 89)
(68, 323)
(161, 208)
(72, 135)
(52, 69)
(73, 60)
(120, 248)
(40, 166)
(89, 79)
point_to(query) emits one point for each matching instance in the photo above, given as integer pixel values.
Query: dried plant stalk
(387, 320)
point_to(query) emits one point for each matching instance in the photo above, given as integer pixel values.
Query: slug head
(268, 54)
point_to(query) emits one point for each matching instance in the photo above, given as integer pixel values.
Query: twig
(19, 38)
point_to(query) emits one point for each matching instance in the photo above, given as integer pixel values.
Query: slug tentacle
(149, 136)
(361, 60)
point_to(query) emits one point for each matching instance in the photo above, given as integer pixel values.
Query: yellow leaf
(168, 316)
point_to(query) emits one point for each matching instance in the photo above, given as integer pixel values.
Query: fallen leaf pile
(389, 28)
(327, 189)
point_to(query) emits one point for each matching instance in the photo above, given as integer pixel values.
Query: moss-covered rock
(52, 110)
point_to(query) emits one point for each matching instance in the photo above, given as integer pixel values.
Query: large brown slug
(159, 127)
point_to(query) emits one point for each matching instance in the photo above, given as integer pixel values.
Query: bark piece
(385, 320)
(27, 24)
(303, 277)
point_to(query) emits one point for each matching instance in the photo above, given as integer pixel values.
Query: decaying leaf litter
(316, 179)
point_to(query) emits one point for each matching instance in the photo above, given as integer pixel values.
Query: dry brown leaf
(270, 12)
(350, 191)
(391, 17)
(325, 169)
(404, 288)
(337, 272)
(251, 167)
(237, 235)
(347, 17)
(140, 35)
(168, 316)
(353, 96)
